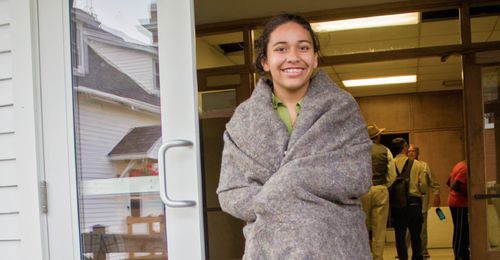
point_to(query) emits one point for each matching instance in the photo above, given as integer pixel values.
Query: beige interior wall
(441, 110)
(441, 150)
(390, 112)
(209, 57)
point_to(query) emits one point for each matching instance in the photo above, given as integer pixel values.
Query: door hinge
(43, 197)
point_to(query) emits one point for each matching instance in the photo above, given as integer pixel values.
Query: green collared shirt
(282, 111)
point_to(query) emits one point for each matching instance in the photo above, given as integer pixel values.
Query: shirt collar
(277, 102)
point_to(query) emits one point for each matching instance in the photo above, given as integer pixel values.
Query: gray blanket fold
(299, 194)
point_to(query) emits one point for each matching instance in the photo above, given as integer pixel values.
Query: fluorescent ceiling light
(380, 81)
(367, 22)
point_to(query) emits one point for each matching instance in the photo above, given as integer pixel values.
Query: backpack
(398, 191)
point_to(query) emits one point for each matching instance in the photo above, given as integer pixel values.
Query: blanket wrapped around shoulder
(299, 193)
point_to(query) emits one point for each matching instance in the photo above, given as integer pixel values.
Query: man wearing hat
(376, 201)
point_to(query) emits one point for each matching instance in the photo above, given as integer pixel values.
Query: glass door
(490, 84)
(482, 79)
(136, 129)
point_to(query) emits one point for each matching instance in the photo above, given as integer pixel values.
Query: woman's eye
(304, 48)
(280, 49)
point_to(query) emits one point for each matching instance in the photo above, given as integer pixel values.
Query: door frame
(179, 117)
(58, 129)
(54, 69)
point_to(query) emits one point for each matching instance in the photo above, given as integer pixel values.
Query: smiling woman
(296, 156)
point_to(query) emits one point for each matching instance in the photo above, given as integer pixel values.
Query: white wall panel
(9, 196)
(5, 65)
(9, 228)
(4, 38)
(8, 148)
(8, 173)
(6, 119)
(4, 12)
(6, 92)
(10, 249)
(9, 217)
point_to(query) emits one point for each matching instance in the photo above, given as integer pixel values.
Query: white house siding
(101, 126)
(139, 65)
(9, 208)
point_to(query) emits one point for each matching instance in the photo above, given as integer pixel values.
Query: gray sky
(121, 15)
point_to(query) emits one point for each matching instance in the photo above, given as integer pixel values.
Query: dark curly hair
(270, 26)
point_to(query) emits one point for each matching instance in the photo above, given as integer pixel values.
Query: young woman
(296, 158)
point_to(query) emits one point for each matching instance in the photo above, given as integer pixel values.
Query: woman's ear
(264, 64)
(315, 60)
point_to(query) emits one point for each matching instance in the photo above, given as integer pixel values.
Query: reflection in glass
(118, 131)
(490, 78)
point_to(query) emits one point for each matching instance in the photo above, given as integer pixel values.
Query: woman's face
(290, 59)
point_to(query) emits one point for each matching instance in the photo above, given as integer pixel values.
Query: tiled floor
(435, 253)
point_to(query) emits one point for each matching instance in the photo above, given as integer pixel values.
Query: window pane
(118, 131)
(490, 81)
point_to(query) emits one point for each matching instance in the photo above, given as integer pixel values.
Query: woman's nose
(293, 55)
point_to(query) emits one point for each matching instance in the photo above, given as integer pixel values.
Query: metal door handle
(162, 174)
(486, 196)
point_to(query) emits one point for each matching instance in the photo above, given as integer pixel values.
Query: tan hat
(374, 131)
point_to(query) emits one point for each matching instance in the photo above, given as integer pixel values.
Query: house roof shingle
(139, 140)
(103, 77)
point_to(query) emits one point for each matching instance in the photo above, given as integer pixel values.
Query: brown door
(482, 109)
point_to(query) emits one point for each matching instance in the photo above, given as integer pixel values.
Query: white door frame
(179, 105)
(57, 131)
(179, 119)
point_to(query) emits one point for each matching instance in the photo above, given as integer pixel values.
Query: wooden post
(99, 253)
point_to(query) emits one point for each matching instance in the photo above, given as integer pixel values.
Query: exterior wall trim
(29, 170)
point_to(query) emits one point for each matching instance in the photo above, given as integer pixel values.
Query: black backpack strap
(404, 167)
(407, 168)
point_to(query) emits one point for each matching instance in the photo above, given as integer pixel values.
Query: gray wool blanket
(299, 193)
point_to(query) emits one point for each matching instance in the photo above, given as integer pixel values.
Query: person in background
(458, 203)
(410, 215)
(296, 157)
(376, 201)
(434, 187)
